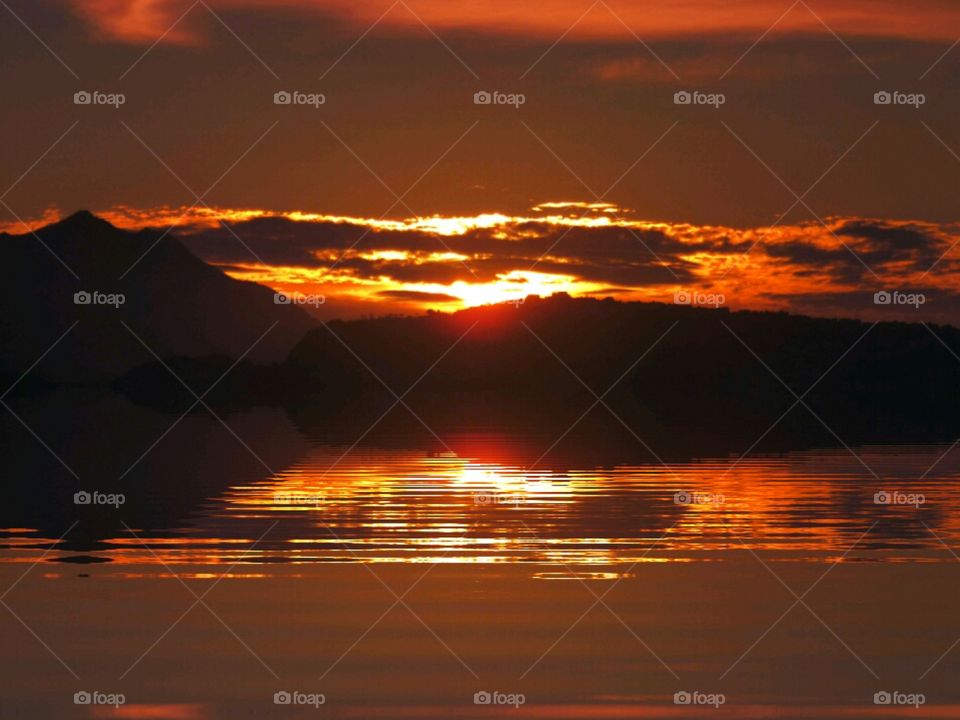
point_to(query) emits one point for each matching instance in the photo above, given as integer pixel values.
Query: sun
(510, 287)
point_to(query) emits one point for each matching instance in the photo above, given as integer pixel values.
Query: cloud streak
(143, 22)
(414, 264)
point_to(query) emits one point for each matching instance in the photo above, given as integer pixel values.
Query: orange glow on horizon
(750, 267)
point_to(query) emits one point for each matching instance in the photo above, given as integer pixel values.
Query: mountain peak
(84, 219)
(182, 306)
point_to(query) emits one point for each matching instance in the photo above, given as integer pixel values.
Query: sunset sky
(398, 193)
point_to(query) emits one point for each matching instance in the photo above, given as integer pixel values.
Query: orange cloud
(144, 21)
(153, 712)
(362, 265)
(138, 21)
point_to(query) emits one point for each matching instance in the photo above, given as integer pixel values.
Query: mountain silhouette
(172, 301)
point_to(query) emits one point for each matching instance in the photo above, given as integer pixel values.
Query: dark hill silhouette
(176, 303)
(889, 383)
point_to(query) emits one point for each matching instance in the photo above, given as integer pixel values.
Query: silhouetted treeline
(693, 370)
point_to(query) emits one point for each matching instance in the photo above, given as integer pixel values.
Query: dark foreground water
(237, 565)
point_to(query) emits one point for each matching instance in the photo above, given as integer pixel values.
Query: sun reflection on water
(415, 507)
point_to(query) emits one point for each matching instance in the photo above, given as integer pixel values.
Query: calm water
(302, 549)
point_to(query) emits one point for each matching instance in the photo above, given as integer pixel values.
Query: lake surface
(399, 578)
(337, 504)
